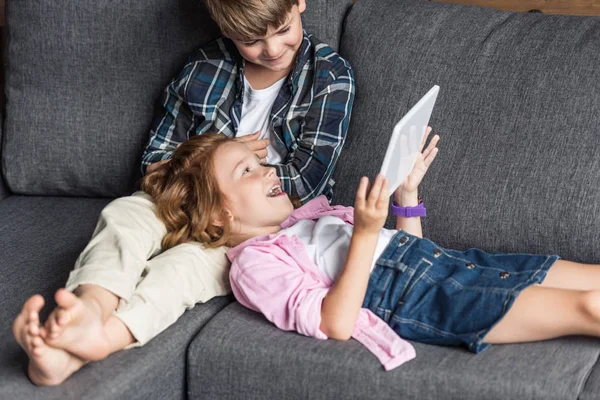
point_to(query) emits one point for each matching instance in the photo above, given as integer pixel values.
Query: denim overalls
(445, 297)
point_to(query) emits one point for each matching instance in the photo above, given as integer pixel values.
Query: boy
(265, 76)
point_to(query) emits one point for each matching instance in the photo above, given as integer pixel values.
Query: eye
(252, 43)
(284, 31)
(246, 171)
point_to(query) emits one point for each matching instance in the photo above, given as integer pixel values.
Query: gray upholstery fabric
(239, 352)
(40, 239)
(82, 84)
(3, 189)
(81, 88)
(325, 19)
(592, 385)
(518, 115)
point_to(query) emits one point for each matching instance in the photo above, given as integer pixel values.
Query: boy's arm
(321, 139)
(172, 124)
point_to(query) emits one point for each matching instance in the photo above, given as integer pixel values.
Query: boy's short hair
(247, 19)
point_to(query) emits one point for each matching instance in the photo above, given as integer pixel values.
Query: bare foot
(47, 365)
(76, 326)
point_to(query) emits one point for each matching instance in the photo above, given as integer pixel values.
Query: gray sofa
(518, 170)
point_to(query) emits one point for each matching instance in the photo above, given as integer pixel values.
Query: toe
(34, 304)
(37, 341)
(29, 312)
(65, 299)
(63, 317)
(33, 329)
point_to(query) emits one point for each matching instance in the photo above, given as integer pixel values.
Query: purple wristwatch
(407, 212)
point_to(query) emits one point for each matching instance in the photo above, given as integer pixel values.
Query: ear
(301, 6)
(221, 220)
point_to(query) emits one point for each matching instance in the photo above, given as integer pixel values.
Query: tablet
(405, 143)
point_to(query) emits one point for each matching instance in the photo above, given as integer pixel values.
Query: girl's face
(276, 51)
(256, 204)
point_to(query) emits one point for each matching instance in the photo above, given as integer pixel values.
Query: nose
(272, 48)
(269, 172)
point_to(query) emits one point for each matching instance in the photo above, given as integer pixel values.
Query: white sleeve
(128, 234)
(173, 282)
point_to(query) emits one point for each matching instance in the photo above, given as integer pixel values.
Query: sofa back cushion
(82, 80)
(518, 115)
(3, 189)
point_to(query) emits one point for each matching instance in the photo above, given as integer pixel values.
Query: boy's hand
(154, 166)
(371, 210)
(259, 147)
(424, 160)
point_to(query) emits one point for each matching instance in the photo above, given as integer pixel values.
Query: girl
(335, 272)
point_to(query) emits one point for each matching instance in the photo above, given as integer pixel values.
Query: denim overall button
(504, 275)
(403, 240)
(470, 265)
(437, 253)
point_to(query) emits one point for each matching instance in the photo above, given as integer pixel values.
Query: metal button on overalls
(437, 253)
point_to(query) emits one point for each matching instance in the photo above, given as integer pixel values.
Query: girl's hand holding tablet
(424, 160)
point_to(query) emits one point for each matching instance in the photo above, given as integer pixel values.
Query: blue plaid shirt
(310, 115)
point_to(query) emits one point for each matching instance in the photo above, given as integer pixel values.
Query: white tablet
(405, 143)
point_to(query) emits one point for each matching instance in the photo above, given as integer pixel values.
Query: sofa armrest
(3, 189)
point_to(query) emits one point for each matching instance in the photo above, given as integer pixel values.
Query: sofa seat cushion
(238, 351)
(40, 238)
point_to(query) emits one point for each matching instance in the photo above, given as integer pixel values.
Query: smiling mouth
(275, 191)
(274, 59)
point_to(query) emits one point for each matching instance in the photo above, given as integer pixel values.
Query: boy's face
(276, 51)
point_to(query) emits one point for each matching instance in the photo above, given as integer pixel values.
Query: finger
(429, 159)
(427, 132)
(361, 192)
(248, 138)
(375, 191)
(261, 153)
(433, 143)
(384, 197)
(258, 144)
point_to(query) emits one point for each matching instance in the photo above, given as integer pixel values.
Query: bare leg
(79, 324)
(541, 313)
(47, 365)
(572, 275)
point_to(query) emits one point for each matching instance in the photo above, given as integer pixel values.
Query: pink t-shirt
(274, 275)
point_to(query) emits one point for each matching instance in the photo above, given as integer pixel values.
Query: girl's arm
(406, 195)
(410, 225)
(343, 302)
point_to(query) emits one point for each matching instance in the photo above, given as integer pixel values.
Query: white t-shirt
(256, 113)
(327, 241)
